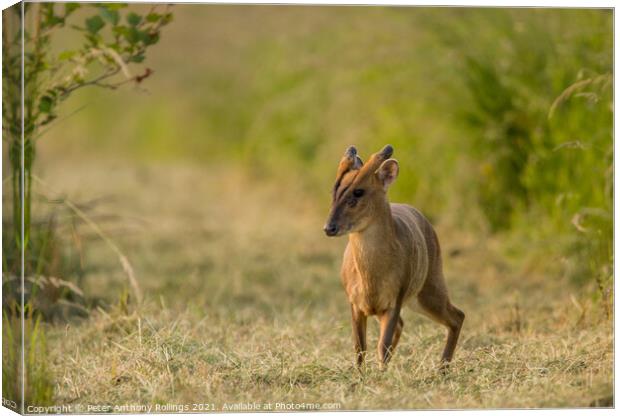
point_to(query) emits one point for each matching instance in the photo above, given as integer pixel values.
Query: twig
(41, 133)
(95, 81)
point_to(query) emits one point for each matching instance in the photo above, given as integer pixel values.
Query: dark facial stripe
(334, 215)
(337, 195)
(336, 186)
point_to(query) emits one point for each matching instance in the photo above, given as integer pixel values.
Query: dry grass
(166, 357)
(244, 304)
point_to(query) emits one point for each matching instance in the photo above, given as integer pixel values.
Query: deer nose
(330, 229)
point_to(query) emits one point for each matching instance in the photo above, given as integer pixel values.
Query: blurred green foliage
(538, 123)
(501, 118)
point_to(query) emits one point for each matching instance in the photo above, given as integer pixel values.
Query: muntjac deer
(392, 258)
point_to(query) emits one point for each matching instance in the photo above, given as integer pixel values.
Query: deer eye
(358, 193)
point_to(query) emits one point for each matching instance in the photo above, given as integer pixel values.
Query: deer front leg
(389, 321)
(358, 319)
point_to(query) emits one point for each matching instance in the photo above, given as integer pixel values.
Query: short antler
(351, 152)
(386, 152)
(378, 158)
(349, 161)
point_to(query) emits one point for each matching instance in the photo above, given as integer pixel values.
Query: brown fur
(393, 256)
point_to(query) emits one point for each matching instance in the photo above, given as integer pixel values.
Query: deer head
(359, 194)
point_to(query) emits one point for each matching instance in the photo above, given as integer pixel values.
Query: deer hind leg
(434, 302)
(397, 331)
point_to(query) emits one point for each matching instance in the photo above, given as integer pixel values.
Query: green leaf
(137, 58)
(166, 19)
(132, 35)
(148, 38)
(110, 15)
(153, 17)
(70, 8)
(45, 104)
(151, 39)
(133, 19)
(94, 24)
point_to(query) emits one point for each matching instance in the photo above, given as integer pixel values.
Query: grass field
(244, 304)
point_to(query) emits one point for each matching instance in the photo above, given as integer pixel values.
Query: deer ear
(387, 172)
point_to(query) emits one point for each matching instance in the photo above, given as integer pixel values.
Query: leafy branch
(112, 38)
(111, 43)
